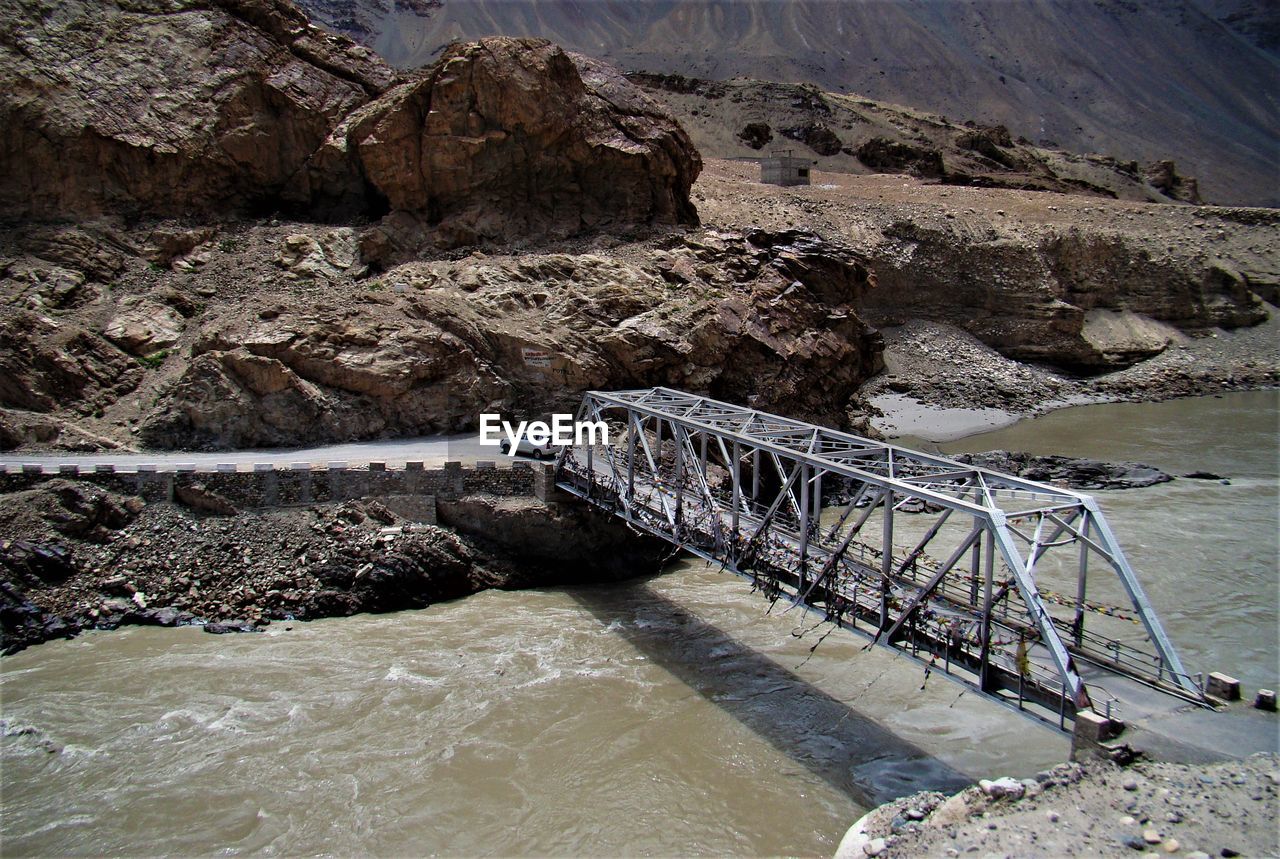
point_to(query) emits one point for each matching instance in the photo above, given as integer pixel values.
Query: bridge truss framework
(745, 489)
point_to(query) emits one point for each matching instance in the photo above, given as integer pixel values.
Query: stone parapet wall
(265, 485)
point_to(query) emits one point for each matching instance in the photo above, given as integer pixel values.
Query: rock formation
(46, 365)
(1087, 302)
(510, 138)
(1164, 175)
(168, 108)
(892, 156)
(217, 107)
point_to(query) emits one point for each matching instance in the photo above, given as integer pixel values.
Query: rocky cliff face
(243, 334)
(168, 108)
(1079, 283)
(751, 318)
(1085, 302)
(216, 107)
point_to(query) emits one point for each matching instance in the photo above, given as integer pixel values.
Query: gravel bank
(74, 556)
(1098, 809)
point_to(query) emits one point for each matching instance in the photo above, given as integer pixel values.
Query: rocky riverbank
(938, 366)
(1095, 809)
(77, 555)
(74, 556)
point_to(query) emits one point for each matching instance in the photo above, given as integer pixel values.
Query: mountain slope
(746, 119)
(1151, 80)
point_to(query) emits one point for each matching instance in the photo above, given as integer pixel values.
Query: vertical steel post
(975, 561)
(886, 557)
(737, 495)
(677, 436)
(984, 658)
(817, 502)
(755, 475)
(856, 608)
(633, 425)
(804, 522)
(1077, 624)
(657, 447)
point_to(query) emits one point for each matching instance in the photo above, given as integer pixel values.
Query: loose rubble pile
(1096, 809)
(74, 556)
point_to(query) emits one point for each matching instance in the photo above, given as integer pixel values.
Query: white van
(528, 448)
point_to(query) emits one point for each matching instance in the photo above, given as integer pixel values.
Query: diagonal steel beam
(929, 587)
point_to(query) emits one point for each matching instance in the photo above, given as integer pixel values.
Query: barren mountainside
(748, 119)
(1196, 81)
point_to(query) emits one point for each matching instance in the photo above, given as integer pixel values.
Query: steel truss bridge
(953, 565)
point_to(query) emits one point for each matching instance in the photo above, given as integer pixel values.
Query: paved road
(431, 450)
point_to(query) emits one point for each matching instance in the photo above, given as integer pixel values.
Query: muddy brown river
(663, 716)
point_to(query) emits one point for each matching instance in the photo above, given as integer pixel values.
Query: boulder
(54, 286)
(197, 496)
(1120, 338)
(224, 627)
(327, 257)
(510, 138)
(991, 142)
(892, 156)
(37, 563)
(142, 326)
(756, 134)
(18, 428)
(1163, 176)
(816, 136)
(1002, 787)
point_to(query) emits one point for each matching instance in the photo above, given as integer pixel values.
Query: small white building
(782, 168)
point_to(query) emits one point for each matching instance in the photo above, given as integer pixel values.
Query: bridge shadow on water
(851, 752)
